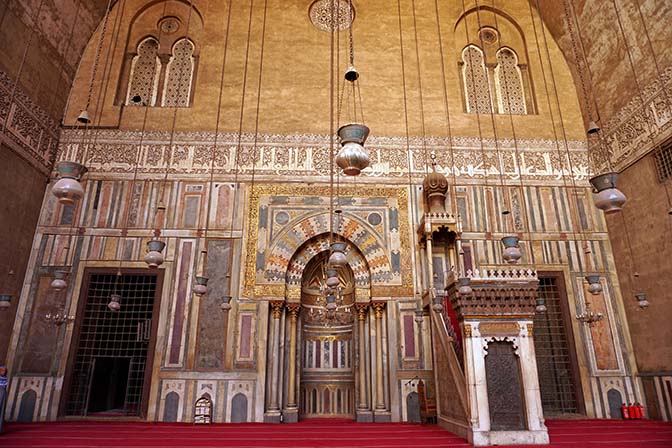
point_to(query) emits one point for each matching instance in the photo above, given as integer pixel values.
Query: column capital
(293, 309)
(361, 310)
(378, 307)
(276, 307)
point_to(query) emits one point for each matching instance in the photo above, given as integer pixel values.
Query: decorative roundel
(281, 218)
(169, 25)
(326, 19)
(374, 219)
(488, 35)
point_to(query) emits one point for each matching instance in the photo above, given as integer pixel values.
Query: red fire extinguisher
(632, 409)
(625, 411)
(640, 410)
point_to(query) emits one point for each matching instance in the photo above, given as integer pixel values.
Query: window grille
(180, 71)
(144, 77)
(551, 345)
(663, 158)
(476, 81)
(123, 334)
(509, 81)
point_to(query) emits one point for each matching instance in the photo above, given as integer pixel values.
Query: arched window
(179, 75)
(509, 83)
(476, 81)
(144, 76)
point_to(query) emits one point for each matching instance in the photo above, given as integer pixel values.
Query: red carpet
(322, 434)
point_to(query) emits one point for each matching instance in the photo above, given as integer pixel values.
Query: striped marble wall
(116, 217)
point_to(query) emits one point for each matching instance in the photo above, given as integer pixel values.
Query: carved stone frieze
(307, 155)
(637, 127)
(27, 129)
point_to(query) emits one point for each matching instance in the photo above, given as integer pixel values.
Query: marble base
(364, 416)
(273, 417)
(290, 415)
(486, 438)
(382, 416)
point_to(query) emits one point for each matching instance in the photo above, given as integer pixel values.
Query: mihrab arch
(285, 261)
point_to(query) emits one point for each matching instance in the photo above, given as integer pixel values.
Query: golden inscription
(499, 328)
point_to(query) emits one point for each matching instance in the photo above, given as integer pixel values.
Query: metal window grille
(663, 158)
(107, 334)
(558, 391)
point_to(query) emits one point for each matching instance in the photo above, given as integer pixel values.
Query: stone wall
(648, 227)
(38, 59)
(20, 208)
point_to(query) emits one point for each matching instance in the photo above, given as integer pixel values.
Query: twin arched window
(148, 69)
(480, 94)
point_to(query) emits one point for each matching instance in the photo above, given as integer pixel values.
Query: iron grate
(106, 334)
(663, 158)
(556, 381)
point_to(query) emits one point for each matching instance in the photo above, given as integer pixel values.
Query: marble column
(273, 414)
(430, 267)
(363, 392)
(165, 59)
(291, 411)
(378, 308)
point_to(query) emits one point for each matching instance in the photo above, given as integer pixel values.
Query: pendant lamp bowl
(333, 282)
(352, 159)
(594, 285)
(610, 200)
(604, 181)
(83, 117)
(70, 169)
(226, 303)
(201, 286)
(353, 133)
(337, 257)
(351, 74)
(607, 197)
(5, 301)
(642, 301)
(437, 304)
(464, 286)
(115, 302)
(512, 251)
(67, 188)
(593, 128)
(59, 283)
(154, 256)
(541, 305)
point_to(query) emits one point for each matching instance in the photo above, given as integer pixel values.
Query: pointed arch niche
(161, 61)
(493, 63)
